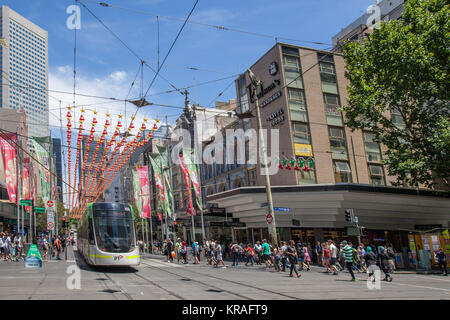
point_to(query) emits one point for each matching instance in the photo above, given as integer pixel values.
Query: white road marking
(156, 263)
(413, 285)
(433, 278)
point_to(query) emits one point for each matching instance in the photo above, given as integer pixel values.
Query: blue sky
(106, 68)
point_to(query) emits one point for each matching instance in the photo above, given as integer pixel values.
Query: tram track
(222, 279)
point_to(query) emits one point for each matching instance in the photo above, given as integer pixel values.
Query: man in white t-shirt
(334, 255)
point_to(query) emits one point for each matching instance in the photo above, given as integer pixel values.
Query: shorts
(219, 257)
(266, 257)
(333, 261)
(324, 258)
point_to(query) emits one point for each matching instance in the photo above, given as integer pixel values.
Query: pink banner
(145, 191)
(9, 157)
(26, 179)
(187, 181)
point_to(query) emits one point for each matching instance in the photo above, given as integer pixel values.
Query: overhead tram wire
(217, 27)
(167, 55)
(125, 45)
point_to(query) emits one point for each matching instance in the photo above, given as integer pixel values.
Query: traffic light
(64, 222)
(175, 225)
(348, 216)
(363, 232)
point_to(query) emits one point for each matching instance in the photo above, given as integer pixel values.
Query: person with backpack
(385, 264)
(178, 250)
(307, 257)
(355, 256)
(291, 253)
(44, 247)
(249, 254)
(183, 252)
(235, 249)
(195, 252)
(318, 252)
(347, 255)
(326, 257)
(442, 260)
(371, 260)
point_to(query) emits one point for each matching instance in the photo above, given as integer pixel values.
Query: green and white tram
(106, 235)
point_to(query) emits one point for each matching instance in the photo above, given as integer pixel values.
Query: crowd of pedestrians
(11, 247)
(291, 256)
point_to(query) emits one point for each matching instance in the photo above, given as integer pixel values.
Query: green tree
(403, 68)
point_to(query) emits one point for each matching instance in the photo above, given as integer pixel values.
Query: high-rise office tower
(24, 68)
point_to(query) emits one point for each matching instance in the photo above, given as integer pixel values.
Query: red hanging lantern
(119, 124)
(105, 132)
(155, 126)
(94, 121)
(107, 122)
(69, 115)
(81, 118)
(143, 126)
(139, 134)
(131, 126)
(69, 124)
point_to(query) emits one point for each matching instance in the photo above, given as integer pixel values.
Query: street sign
(49, 204)
(26, 202)
(39, 209)
(281, 209)
(269, 218)
(50, 225)
(51, 218)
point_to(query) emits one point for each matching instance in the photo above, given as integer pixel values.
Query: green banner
(188, 156)
(137, 192)
(165, 166)
(44, 174)
(157, 170)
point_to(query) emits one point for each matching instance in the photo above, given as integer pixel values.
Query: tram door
(91, 241)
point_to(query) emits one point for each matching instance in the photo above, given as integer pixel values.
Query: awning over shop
(323, 206)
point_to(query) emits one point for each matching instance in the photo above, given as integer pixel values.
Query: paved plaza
(156, 279)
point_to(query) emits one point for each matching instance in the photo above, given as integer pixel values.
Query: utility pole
(270, 217)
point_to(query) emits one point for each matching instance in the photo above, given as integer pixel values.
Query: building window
(297, 105)
(372, 148)
(301, 133)
(332, 105)
(376, 174)
(307, 176)
(252, 177)
(325, 57)
(397, 118)
(292, 72)
(289, 50)
(337, 143)
(328, 77)
(342, 172)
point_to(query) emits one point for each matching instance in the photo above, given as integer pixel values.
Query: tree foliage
(403, 67)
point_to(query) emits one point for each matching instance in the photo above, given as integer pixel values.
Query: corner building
(301, 94)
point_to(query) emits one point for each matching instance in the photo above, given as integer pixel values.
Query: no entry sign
(269, 218)
(50, 203)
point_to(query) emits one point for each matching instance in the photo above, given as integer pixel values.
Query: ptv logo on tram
(119, 257)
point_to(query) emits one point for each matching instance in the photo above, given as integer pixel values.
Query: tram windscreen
(114, 230)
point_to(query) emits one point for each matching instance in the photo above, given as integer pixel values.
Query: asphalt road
(156, 279)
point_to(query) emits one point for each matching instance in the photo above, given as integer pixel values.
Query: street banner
(187, 181)
(188, 155)
(145, 191)
(165, 166)
(44, 173)
(26, 179)
(137, 192)
(9, 158)
(160, 190)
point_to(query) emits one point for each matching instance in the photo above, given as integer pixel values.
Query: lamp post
(270, 217)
